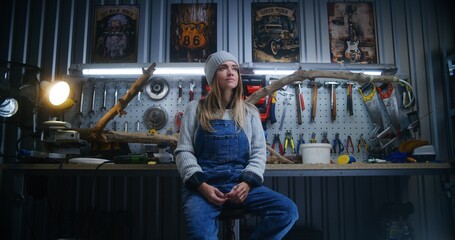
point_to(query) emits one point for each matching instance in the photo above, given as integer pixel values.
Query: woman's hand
(238, 193)
(212, 194)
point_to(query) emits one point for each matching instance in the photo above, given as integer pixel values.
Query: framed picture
(275, 32)
(193, 32)
(352, 33)
(115, 34)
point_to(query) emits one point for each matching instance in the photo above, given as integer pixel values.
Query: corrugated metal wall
(416, 36)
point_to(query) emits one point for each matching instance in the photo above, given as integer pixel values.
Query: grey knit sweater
(187, 164)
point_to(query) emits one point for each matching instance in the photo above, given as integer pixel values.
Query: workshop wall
(53, 34)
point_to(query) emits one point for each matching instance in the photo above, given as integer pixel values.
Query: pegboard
(345, 125)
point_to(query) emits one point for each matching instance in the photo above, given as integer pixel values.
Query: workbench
(272, 170)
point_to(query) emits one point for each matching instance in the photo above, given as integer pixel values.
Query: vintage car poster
(115, 34)
(352, 33)
(193, 32)
(275, 32)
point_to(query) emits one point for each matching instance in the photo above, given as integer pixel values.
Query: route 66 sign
(192, 35)
(193, 32)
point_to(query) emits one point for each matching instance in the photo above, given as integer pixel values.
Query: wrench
(125, 126)
(92, 108)
(81, 102)
(180, 98)
(139, 96)
(138, 124)
(116, 94)
(103, 108)
(192, 85)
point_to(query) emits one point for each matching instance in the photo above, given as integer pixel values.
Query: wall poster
(275, 32)
(193, 32)
(115, 34)
(352, 33)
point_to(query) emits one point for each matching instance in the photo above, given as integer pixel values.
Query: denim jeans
(277, 214)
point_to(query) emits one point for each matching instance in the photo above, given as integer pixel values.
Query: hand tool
(103, 108)
(387, 93)
(300, 142)
(349, 103)
(138, 125)
(192, 85)
(384, 137)
(180, 97)
(372, 103)
(276, 139)
(324, 138)
(333, 99)
(349, 145)
(115, 94)
(139, 96)
(272, 115)
(337, 144)
(288, 139)
(178, 120)
(314, 85)
(313, 138)
(362, 143)
(114, 125)
(286, 102)
(125, 126)
(81, 102)
(92, 108)
(302, 100)
(298, 101)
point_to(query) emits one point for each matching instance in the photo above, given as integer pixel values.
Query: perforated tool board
(345, 125)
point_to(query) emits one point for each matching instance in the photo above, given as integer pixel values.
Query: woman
(221, 155)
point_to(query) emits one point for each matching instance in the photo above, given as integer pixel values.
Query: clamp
(337, 143)
(289, 140)
(276, 139)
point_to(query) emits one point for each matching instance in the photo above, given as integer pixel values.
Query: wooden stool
(228, 218)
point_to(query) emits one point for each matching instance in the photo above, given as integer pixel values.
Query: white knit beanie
(214, 60)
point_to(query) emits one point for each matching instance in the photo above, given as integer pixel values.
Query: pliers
(289, 140)
(300, 142)
(363, 143)
(324, 138)
(276, 139)
(349, 144)
(337, 143)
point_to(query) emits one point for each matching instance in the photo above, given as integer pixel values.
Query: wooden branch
(276, 154)
(125, 99)
(110, 136)
(98, 134)
(311, 75)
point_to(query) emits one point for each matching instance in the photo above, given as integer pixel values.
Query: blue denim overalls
(222, 154)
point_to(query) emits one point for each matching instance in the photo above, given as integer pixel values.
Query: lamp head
(57, 95)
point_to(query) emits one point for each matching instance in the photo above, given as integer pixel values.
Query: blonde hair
(213, 106)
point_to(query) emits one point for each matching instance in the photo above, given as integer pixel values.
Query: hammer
(314, 85)
(333, 98)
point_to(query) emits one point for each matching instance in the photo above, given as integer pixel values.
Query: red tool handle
(302, 102)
